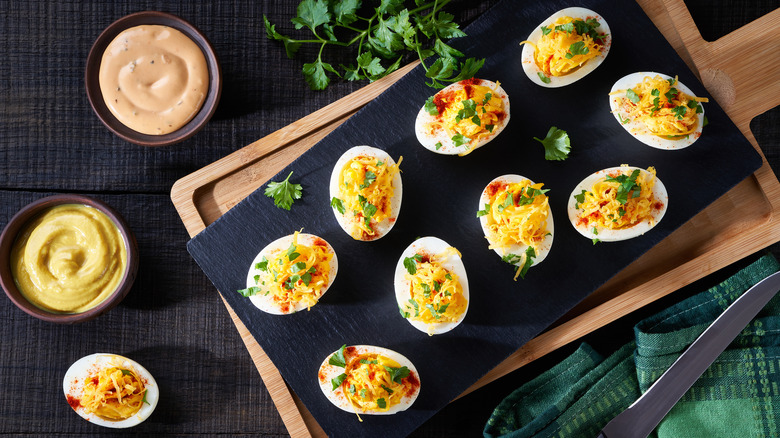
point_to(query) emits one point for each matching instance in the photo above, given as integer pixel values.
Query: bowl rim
(95, 96)
(32, 210)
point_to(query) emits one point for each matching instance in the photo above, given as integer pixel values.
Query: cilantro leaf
(337, 359)
(556, 144)
(345, 10)
(284, 193)
(338, 205)
(315, 76)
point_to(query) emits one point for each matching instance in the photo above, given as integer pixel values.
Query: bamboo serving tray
(737, 69)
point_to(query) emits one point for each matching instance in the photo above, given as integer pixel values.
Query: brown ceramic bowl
(95, 96)
(29, 212)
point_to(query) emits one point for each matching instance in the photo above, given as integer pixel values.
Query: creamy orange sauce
(154, 79)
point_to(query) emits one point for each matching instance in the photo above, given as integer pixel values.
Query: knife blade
(639, 419)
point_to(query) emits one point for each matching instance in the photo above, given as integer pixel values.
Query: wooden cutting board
(738, 70)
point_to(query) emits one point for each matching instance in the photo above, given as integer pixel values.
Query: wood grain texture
(701, 246)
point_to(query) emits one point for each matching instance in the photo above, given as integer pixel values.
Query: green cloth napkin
(738, 395)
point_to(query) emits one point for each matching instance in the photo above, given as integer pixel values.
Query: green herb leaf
(389, 391)
(300, 266)
(430, 106)
(337, 359)
(438, 145)
(580, 199)
(311, 14)
(338, 205)
(530, 254)
(262, 265)
(250, 291)
(290, 45)
(397, 374)
(546, 30)
(460, 140)
(381, 403)
(291, 254)
(369, 179)
(314, 73)
(671, 94)
(556, 144)
(484, 212)
(410, 263)
(632, 96)
(577, 48)
(627, 185)
(284, 193)
(338, 380)
(543, 77)
(402, 312)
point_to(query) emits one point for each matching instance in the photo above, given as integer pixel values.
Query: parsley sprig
(628, 185)
(557, 144)
(381, 40)
(284, 193)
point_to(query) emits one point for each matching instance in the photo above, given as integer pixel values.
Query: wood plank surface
(711, 240)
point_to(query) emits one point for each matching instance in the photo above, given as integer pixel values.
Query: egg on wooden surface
(519, 228)
(366, 192)
(462, 117)
(110, 390)
(291, 274)
(365, 379)
(566, 47)
(657, 110)
(606, 205)
(431, 286)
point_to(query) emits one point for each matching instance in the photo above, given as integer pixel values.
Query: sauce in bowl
(154, 79)
(68, 259)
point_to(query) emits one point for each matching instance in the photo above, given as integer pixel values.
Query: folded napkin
(738, 395)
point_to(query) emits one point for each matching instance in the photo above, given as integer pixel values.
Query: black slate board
(440, 198)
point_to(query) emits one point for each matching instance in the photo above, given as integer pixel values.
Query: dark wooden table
(173, 321)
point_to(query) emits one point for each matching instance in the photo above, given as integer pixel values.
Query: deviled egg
(566, 47)
(657, 109)
(110, 390)
(462, 117)
(365, 379)
(366, 192)
(516, 218)
(431, 286)
(618, 203)
(291, 274)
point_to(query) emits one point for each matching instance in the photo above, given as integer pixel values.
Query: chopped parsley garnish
(300, 266)
(438, 145)
(338, 205)
(679, 111)
(262, 265)
(484, 212)
(291, 254)
(545, 30)
(338, 380)
(622, 120)
(389, 391)
(671, 94)
(410, 263)
(557, 144)
(490, 127)
(250, 291)
(508, 202)
(416, 307)
(431, 107)
(627, 185)
(381, 403)
(284, 193)
(460, 139)
(543, 77)
(469, 111)
(337, 359)
(402, 312)
(487, 98)
(568, 28)
(577, 48)
(530, 254)
(368, 362)
(397, 374)
(632, 96)
(369, 179)
(580, 199)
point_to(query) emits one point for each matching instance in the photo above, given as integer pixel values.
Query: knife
(648, 410)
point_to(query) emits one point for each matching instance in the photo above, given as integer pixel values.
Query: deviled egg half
(366, 192)
(110, 390)
(365, 379)
(462, 117)
(516, 218)
(566, 47)
(657, 110)
(618, 203)
(291, 274)
(431, 286)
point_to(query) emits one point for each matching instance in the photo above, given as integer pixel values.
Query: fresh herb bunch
(381, 38)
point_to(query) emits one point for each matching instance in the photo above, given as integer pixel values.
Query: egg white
(429, 140)
(515, 248)
(267, 303)
(432, 246)
(82, 369)
(609, 235)
(527, 56)
(337, 397)
(636, 127)
(344, 220)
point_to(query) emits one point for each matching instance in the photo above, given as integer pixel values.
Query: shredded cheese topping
(664, 110)
(298, 274)
(366, 191)
(562, 50)
(517, 215)
(468, 114)
(435, 292)
(369, 385)
(613, 204)
(113, 393)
